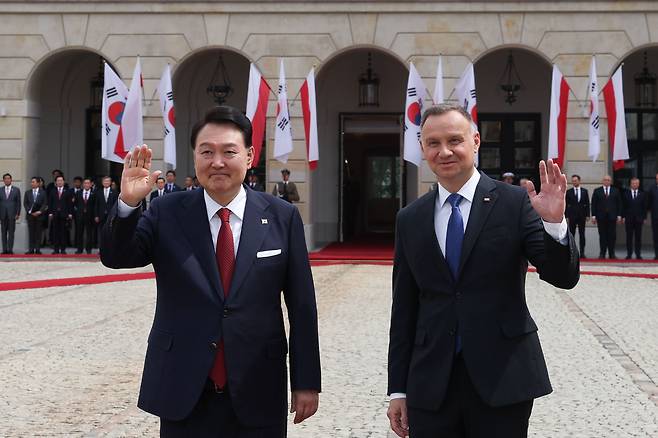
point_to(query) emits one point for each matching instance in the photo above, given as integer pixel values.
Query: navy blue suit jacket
(192, 315)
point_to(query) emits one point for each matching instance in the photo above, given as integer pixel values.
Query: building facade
(51, 54)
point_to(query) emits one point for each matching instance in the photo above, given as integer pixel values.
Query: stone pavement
(71, 357)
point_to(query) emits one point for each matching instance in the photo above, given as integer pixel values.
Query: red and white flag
(413, 112)
(282, 130)
(166, 93)
(466, 97)
(557, 126)
(310, 113)
(594, 147)
(438, 84)
(131, 122)
(613, 94)
(115, 94)
(257, 95)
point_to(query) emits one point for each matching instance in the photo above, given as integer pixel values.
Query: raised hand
(136, 178)
(550, 202)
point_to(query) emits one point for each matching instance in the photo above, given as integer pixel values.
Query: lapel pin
(263, 221)
(487, 199)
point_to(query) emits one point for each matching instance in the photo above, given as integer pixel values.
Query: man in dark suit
(171, 186)
(159, 189)
(77, 187)
(464, 356)
(577, 212)
(10, 211)
(36, 205)
(60, 211)
(606, 214)
(253, 182)
(85, 212)
(634, 216)
(653, 208)
(106, 197)
(216, 360)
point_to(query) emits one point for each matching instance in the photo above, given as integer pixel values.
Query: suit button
(451, 333)
(226, 312)
(213, 345)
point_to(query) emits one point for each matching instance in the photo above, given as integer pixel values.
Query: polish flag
(166, 93)
(282, 132)
(438, 84)
(413, 112)
(132, 123)
(309, 110)
(257, 96)
(594, 134)
(613, 95)
(557, 127)
(115, 94)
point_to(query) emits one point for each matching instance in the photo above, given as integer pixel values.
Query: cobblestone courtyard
(71, 357)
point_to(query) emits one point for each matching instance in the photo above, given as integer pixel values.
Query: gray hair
(443, 108)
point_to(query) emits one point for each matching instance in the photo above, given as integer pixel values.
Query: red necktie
(226, 264)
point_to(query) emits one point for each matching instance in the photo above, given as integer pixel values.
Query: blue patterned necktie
(454, 240)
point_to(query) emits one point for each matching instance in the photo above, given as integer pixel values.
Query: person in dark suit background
(577, 211)
(216, 359)
(106, 197)
(464, 356)
(85, 212)
(171, 186)
(36, 205)
(10, 211)
(189, 183)
(606, 214)
(253, 182)
(77, 186)
(634, 216)
(159, 189)
(652, 202)
(60, 211)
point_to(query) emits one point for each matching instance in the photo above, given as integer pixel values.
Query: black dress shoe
(639, 257)
(79, 251)
(56, 251)
(37, 252)
(628, 257)
(29, 252)
(602, 256)
(613, 257)
(62, 251)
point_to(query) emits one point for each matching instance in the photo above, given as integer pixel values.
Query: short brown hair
(442, 108)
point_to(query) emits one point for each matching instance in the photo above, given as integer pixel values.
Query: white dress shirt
(237, 207)
(443, 210)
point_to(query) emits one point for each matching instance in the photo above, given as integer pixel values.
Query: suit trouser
(580, 224)
(654, 229)
(59, 232)
(84, 235)
(463, 414)
(634, 237)
(8, 227)
(34, 228)
(607, 235)
(214, 417)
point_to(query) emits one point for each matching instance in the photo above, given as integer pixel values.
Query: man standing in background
(60, 211)
(286, 190)
(635, 214)
(171, 185)
(577, 211)
(10, 211)
(36, 204)
(85, 209)
(606, 214)
(106, 197)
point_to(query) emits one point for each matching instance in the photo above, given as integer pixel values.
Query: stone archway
(191, 78)
(355, 142)
(514, 135)
(63, 123)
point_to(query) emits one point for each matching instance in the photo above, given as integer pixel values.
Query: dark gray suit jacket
(10, 207)
(486, 301)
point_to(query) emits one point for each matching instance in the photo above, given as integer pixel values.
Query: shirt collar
(467, 191)
(237, 205)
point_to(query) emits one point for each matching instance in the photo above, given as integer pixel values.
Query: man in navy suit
(171, 186)
(36, 205)
(577, 211)
(635, 214)
(60, 210)
(464, 355)
(606, 214)
(216, 359)
(159, 189)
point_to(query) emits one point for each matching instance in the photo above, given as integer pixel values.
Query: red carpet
(361, 250)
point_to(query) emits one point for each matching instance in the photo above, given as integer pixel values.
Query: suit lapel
(251, 238)
(193, 219)
(483, 202)
(431, 248)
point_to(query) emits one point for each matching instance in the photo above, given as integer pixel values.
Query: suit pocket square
(268, 253)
